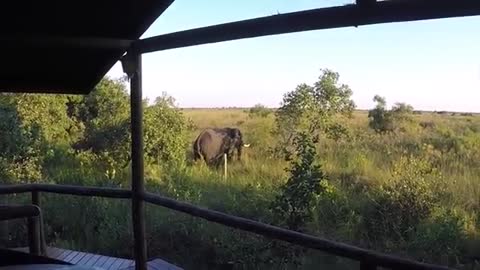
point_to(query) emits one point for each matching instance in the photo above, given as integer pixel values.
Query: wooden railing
(33, 215)
(368, 259)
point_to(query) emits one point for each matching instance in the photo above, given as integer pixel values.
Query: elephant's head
(236, 140)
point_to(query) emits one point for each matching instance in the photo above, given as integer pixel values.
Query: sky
(432, 65)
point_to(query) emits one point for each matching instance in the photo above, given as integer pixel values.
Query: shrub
(313, 109)
(380, 119)
(441, 236)
(397, 119)
(165, 133)
(293, 207)
(404, 200)
(259, 110)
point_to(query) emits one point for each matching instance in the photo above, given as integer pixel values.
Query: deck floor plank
(163, 265)
(92, 260)
(64, 254)
(109, 262)
(77, 258)
(124, 264)
(85, 258)
(70, 256)
(53, 252)
(116, 264)
(100, 261)
(104, 262)
(152, 266)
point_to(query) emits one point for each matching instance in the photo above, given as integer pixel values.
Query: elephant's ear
(231, 132)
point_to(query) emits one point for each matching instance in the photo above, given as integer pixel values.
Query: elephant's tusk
(246, 145)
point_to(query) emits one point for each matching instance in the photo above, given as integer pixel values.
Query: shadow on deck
(100, 261)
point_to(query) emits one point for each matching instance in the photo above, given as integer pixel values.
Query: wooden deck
(100, 261)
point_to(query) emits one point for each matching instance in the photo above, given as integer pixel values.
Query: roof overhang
(68, 46)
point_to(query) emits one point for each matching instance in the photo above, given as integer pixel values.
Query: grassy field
(359, 170)
(414, 193)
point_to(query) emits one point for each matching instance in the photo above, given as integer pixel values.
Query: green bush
(259, 110)
(380, 119)
(441, 237)
(404, 200)
(165, 133)
(399, 118)
(295, 203)
(313, 110)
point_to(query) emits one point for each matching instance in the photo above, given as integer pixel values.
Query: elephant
(212, 143)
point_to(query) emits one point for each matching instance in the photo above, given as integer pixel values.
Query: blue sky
(432, 65)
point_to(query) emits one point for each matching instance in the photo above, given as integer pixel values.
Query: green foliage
(405, 199)
(21, 143)
(296, 200)
(105, 116)
(441, 236)
(259, 110)
(165, 133)
(47, 115)
(402, 111)
(382, 120)
(312, 109)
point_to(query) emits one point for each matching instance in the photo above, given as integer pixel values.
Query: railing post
(3, 224)
(34, 235)
(132, 64)
(36, 201)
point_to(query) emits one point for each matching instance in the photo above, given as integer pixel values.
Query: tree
(402, 111)
(165, 133)
(104, 115)
(259, 110)
(293, 206)
(313, 109)
(20, 143)
(382, 120)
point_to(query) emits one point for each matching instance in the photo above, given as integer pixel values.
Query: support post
(34, 237)
(3, 224)
(36, 201)
(138, 187)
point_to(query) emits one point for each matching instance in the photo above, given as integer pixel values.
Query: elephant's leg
(229, 157)
(239, 153)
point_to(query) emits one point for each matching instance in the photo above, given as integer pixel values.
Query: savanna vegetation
(390, 179)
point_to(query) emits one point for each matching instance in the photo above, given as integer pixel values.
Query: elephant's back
(209, 142)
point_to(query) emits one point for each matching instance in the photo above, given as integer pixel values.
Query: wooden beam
(84, 191)
(14, 211)
(366, 3)
(12, 189)
(315, 19)
(138, 186)
(68, 189)
(66, 42)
